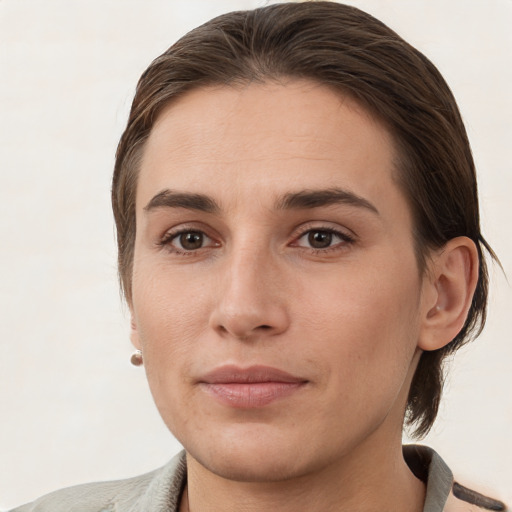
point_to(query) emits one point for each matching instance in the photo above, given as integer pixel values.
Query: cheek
(367, 321)
(170, 317)
(166, 303)
(167, 325)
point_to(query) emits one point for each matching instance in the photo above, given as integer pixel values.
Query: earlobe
(452, 281)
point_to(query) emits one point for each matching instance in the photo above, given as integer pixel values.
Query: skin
(350, 317)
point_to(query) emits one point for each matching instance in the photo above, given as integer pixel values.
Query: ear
(134, 333)
(449, 286)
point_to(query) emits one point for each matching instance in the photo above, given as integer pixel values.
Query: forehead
(266, 137)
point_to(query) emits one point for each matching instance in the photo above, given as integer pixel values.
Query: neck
(375, 478)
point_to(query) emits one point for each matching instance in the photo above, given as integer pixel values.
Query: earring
(136, 358)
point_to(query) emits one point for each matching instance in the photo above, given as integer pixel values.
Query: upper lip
(232, 374)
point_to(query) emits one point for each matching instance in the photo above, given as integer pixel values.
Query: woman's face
(276, 295)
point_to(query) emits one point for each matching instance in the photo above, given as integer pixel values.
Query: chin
(258, 455)
(242, 466)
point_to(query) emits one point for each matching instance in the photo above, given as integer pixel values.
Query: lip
(251, 387)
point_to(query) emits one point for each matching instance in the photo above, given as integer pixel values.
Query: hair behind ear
(425, 393)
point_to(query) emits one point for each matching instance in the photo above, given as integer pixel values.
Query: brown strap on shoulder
(462, 499)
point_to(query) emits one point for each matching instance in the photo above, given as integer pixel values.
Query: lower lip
(251, 395)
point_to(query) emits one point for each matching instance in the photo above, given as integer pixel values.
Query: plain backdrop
(72, 407)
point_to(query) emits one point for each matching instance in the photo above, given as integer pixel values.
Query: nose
(251, 297)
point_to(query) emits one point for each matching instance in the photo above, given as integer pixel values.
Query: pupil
(320, 239)
(192, 240)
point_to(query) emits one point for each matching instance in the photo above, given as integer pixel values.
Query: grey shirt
(160, 490)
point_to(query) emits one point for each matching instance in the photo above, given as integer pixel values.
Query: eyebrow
(170, 199)
(305, 199)
(301, 200)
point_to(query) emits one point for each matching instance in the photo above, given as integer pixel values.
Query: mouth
(251, 387)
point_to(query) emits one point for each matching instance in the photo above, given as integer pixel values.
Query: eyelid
(324, 226)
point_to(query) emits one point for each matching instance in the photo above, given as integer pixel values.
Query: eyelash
(346, 239)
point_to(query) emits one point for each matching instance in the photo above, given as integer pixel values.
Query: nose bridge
(251, 299)
(249, 277)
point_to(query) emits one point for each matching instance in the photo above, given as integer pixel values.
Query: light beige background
(72, 408)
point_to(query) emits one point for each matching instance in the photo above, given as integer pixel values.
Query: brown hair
(349, 50)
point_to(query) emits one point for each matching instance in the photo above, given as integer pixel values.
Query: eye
(187, 241)
(190, 241)
(320, 239)
(323, 239)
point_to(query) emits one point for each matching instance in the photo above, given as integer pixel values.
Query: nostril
(248, 322)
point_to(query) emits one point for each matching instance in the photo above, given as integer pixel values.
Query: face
(276, 295)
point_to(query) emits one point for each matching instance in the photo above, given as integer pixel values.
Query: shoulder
(161, 488)
(92, 497)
